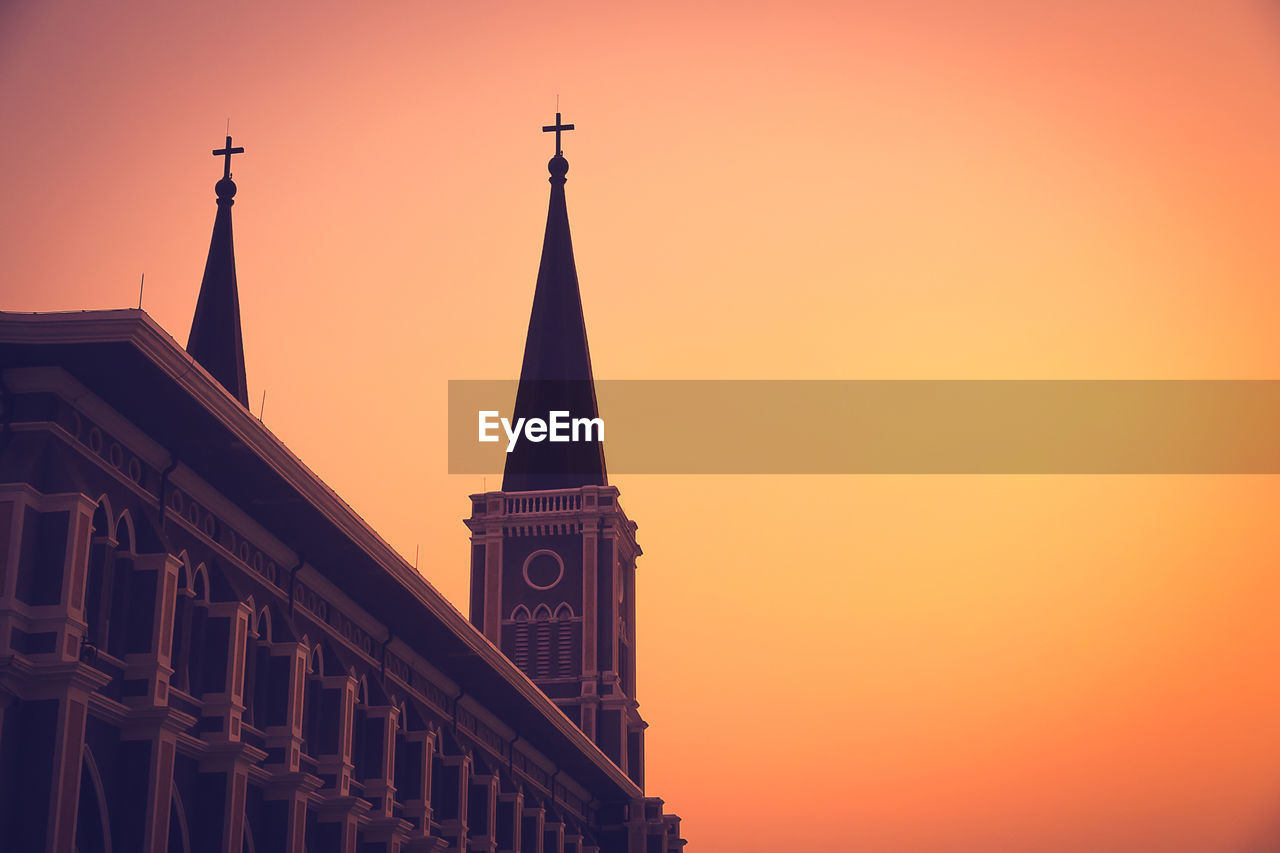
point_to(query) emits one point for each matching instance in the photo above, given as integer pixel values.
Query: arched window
(180, 649)
(200, 584)
(198, 634)
(123, 632)
(410, 757)
(257, 667)
(249, 666)
(360, 768)
(311, 703)
(97, 596)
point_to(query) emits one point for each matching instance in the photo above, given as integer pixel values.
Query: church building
(202, 648)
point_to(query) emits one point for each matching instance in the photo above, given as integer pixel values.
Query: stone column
(531, 834)
(449, 799)
(482, 796)
(417, 807)
(44, 543)
(380, 772)
(338, 813)
(228, 623)
(148, 672)
(338, 818)
(282, 730)
(227, 766)
(635, 747)
(553, 837)
(156, 731)
(493, 585)
(337, 698)
(509, 822)
(385, 832)
(49, 822)
(285, 812)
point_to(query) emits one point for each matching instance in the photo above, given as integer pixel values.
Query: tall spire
(215, 341)
(556, 374)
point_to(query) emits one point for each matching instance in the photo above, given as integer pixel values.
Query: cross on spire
(228, 151)
(557, 127)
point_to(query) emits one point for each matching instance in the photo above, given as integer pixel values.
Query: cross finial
(557, 127)
(226, 154)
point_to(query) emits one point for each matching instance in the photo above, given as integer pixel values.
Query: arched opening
(410, 771)
(257, 668)
(194, 605)
(311, 704)
(249, 666)
(179, 836)
(121, 629)
(180, 648)
(448, 773)
(93, 826)
(97, 598)
(360, 740)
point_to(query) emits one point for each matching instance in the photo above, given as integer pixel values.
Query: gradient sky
(929, 189)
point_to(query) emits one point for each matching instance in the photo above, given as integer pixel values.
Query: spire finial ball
(225, 188)
(558, 166)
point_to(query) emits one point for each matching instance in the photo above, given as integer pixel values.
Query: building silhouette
(202, 648)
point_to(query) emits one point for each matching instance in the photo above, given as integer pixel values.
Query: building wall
(174, 678)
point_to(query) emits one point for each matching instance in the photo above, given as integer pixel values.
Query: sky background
(860, 190)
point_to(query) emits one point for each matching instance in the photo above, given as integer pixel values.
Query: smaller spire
(215, 341)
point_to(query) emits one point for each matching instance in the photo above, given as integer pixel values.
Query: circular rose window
(543, 569)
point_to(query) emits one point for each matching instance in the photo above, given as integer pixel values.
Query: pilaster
(510, 811)
(534, 825)
(482, 817)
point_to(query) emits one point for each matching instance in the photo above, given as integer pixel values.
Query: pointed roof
(215, 341)
(556, 375)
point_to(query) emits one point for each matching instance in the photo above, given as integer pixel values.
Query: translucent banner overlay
(899, 427)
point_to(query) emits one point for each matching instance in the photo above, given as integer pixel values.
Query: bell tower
(553, 555)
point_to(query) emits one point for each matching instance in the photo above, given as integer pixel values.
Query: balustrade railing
(568, 501)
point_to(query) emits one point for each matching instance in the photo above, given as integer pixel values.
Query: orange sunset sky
(928, 189)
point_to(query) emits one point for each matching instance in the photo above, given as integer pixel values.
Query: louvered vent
(521, 657)
(542, 649)
(564, 647)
